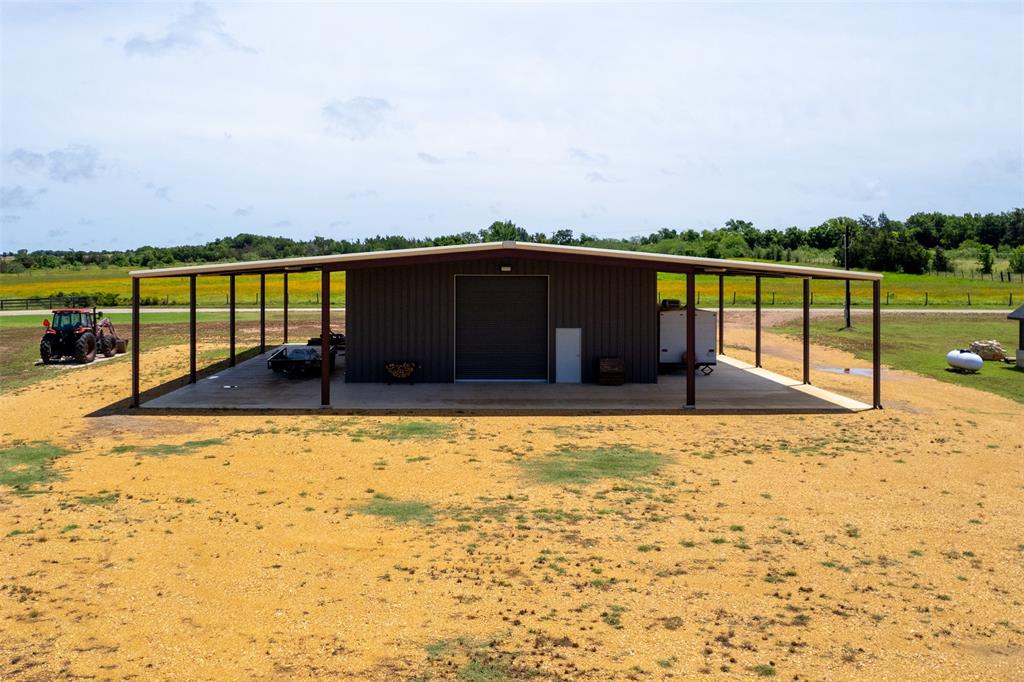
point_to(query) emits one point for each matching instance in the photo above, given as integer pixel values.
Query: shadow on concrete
(250, 388)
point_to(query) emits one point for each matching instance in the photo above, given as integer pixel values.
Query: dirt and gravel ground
(879, 545)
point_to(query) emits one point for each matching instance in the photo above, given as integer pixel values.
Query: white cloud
(198, 28)
(70, 164)
(672, 115)
(160, 192)
(18, 197)
(361, 194)
(357, 118)
(594, 176)
(582, 155)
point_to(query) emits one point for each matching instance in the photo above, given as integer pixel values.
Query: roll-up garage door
(501, 328)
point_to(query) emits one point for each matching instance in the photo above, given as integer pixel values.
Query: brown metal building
(492, 312)
(493, 319)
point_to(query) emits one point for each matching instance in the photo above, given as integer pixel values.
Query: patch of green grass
(17, 531)
(435, 649)
(556, 515)
(613, 616)
(186, 448)
(764, 670)
(406, 430)
(919, 343)
(102, 499)
(29, 464)
(70, 527)
(399, 511)
(571, 466)
(483, 671)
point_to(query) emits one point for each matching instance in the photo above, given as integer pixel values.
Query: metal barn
(502, 313)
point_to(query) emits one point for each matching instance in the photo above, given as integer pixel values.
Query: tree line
(921, 243)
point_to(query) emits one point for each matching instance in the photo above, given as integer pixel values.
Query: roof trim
(338, 261)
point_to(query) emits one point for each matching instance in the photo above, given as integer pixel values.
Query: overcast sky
(150, 123)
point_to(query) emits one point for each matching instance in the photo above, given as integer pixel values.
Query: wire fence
(48, 302)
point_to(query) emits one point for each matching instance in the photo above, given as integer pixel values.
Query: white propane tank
(962, 359)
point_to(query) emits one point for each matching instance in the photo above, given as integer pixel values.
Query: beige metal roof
(706, 265)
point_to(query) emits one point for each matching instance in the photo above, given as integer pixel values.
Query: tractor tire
(47, 351)
(106, 345)
(85, 348)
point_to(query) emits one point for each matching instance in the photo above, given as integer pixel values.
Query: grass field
(898, 290)
(303, 287)
(919, 343)
(20, 335)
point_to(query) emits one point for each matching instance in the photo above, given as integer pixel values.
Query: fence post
(968, 298)
(926, 299)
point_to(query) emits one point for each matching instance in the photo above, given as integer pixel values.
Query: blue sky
(151, 123)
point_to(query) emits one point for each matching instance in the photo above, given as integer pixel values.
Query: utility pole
(846, 264)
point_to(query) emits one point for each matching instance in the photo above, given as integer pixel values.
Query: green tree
(986, 259)
(564, 237)
(506, 231)
(940, 261)
(1017, 260)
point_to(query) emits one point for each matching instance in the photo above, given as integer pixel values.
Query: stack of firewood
(400, 370)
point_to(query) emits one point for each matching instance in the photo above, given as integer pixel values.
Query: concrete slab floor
(734, 386)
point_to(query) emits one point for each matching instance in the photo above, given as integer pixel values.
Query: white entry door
(568, 362)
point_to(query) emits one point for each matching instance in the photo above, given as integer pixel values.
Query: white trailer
(672, 335)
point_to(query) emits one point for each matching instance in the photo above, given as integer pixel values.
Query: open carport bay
(734, 386)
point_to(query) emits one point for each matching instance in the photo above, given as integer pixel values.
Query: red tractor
(78, 333)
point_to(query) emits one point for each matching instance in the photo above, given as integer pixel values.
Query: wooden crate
(611, 371)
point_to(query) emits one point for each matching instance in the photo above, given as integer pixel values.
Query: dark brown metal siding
(407, 313)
